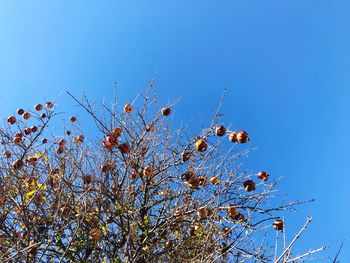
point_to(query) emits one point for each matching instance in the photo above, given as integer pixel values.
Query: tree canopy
(143, 192)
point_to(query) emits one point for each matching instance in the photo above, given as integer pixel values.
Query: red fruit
(147, 171)
(59, 150)
(166, 111)
(226, 231)
(79, 138)
(17, 140)
(124, 148)
(128, 108)
(263, 176)
(116, 132)
(34, 129)
(111, 139)
(73, 118)
(43, 141)
(11, 120)
(17, 164)
(38, 107)
(49, 104)
(20, 111)
(201, 145)
(62, 142)
(7, 154)
(27, 131)
(242, 137)
(26, 115)
(220, 130)
(249, 185)
(108, 145)
(214, 180)
(20, 135)
(43, 115)
(232, 210)
(278, 225)
(233, 137)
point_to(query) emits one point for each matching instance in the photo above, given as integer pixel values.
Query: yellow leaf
(44, 155)
(30, 194)
(146, 219)
(36, 155)
(41, 186)
(104, 229)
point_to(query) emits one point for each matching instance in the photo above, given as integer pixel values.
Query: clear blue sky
(285, 63)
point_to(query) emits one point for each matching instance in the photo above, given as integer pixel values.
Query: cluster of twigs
(145, 192)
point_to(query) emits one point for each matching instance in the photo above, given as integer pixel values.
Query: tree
(143, 192)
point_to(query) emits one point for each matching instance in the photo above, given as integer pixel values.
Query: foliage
(144, 192)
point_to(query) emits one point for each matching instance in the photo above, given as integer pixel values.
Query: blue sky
(285, 64)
